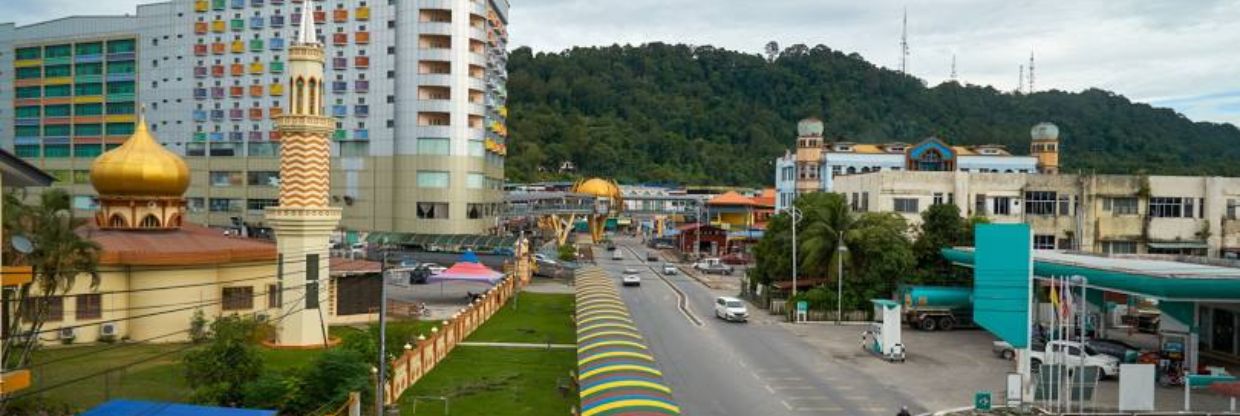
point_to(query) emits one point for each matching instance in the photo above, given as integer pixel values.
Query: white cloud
(1161, 51)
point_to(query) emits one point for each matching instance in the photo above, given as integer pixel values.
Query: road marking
(682, 301)
(768, 388)
(784, 379)
(786, 405)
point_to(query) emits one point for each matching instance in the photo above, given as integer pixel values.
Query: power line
(127, 318)
(142, 341)
(111, 369)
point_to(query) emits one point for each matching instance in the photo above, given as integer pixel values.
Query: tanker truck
(933, 308)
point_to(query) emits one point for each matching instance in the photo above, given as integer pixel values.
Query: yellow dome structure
(140, 184)
(607, 201)
(140, 167)
(598, 187)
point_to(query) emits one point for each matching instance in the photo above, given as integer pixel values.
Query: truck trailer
(933, 308)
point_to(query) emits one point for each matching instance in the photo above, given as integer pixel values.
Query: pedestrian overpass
(557, 211)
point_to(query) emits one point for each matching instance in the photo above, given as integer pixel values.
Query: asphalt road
(737, 369)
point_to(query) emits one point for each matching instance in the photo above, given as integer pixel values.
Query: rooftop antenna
(904, 44)
(953, 67)
(1031, 72)
(1020, 83)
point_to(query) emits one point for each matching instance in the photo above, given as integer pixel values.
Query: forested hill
(703, 115)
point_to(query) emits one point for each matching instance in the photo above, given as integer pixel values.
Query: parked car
(1124, 352)
(1069, 354)
(652, 256)
(419, 275)
(712, 266)
(617, 255)
(434, 268)
(731, 309)
(611, 246)
(663, 245)
(503, 251)
(543, 258)
(670, 269)
(631, 280)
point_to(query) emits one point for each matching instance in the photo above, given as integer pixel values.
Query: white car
(631, 280)
(731, 309)
(1068, 353)
(616, 255)
(669, 269)
(434, 268)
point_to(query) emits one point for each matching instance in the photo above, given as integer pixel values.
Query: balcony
(200, 93)
(275, 111)
(340, 63)
(256, 136)
(219, 26)
(340, 38)
(340, 110)
(200, 49)
(361, 85)
(236, 91)
(256, 68)
(217, 93)
(236, 70)
(320, 17)
(362, 38)
(435, 28)
(217, 71)
(257, 22)
(119, 56)
(200, 137)
(256, 91)
(340, 134)
(236, 136)
(236, 114)
(216, 136)
(276, 89)
(256, 114)
(276, 67)
(201, 6)
(276, 44)
(238, 4)
(200, 72)
(256, 3)
(236, 25)
(238, 46)
(361, 110)
(361, 62)
(201, 28)
(340, 15)
(200, 115)
(277, 21)
(256, 45)
(217, 115)
(362, 13)
(219, 48)
(340, 86)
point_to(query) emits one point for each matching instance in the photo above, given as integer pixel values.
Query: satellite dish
(22, 244)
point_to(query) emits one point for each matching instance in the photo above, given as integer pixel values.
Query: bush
(330, 378)
(271, 391)
(228, 361)
(567, 252)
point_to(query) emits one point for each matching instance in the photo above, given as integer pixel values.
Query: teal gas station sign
(1002, 281)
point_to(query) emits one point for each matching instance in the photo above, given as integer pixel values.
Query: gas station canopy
(1161, 279)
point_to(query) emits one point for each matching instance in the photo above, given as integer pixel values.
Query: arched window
(300, 97)
(175, 221)
(851, 170)
(149, 221)
(116, 221)
(314, 96)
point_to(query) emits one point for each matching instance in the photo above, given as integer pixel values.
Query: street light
(839, 279)
(796, 218)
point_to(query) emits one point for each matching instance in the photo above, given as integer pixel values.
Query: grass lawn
(538, 318)
(495, 382)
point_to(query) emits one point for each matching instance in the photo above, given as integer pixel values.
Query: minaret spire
(307, 36)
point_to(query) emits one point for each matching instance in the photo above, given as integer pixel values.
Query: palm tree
(825, 223)
(59, 257)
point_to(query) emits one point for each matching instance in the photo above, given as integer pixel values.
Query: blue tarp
(469, 257)
(135, 407)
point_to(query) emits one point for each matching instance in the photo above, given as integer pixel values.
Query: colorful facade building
(416, 91)
(816, 164)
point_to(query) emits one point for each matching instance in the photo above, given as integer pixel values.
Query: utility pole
(1020, 81)
(796, 217)
(383, 269)
(697, 235)
(839, 277)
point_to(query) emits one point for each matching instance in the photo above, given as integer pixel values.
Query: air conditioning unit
(107, 329)
(68, 333)
(262, 317)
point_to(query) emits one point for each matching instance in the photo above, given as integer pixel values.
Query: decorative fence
(430, 350)
(782, 307)
(617, 373)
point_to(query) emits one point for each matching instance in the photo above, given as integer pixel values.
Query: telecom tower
(1020, 82)
(953, 67)
(1031, 72)
(904, 44)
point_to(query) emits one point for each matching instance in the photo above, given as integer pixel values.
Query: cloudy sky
(1176, 53)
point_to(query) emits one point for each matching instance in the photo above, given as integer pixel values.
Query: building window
(225, 205)
(263, 178)
(55, 307)
(906, 205)
(938, 198)
(475, 180)
(1043, 242)
(238, 298)
(432, 179)
(85, 202)
(1065, 205)
(89, 306)
(1233, 209)
(865, 202)
(475, 211)
(1119, 247)
(979, 206)
(434, 146)
(225, 179)
(273, 296)
(1002, 206)
(433, 210)
(1040, 203)
(1166, 207)
(1120, 205)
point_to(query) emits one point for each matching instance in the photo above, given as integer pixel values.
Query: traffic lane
(789, 368)
(698, 365)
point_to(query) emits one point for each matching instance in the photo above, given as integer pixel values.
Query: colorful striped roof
(617, 373)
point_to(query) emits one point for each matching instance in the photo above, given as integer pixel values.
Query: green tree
(941, 227)
(330, 378)
(826, 222)
(881, 255)
(60, 256)
(219, 371)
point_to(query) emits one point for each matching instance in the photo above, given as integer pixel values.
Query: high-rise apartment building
(417, 90)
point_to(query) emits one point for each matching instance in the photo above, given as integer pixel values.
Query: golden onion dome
(598, 187)
(140, 167)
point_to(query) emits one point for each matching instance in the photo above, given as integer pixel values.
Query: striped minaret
(303, 222)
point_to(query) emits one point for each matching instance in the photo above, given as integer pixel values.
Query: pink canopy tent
(467, 272)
